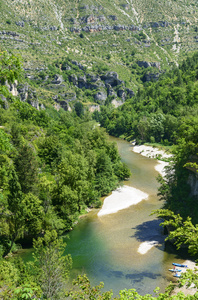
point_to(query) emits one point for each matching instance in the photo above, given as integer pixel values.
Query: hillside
(95, 37)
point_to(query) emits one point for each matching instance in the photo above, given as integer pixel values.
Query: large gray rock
(61, 103)
(34, 103)
(65, 67)
(93, 77)
(111, 78)
(3, 102)
(74, 79)
(147, 64)
(151, 77)
(144, 64)
(92, 108)
(58, 79)
(23, 91)
(100, 97)
(121, 93)
(12, 87)
(74, 62)
(82, 80)
(110, 91)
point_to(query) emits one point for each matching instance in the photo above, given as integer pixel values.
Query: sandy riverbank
(121, 198)
(126, 196)
(152, 152)
(186, 290)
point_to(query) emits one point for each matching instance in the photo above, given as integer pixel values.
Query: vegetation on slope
(53, 166)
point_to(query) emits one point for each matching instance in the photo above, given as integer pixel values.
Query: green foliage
(26, 168)
(51, 267)
(182, 232)
(79, 109)
(158, 110)
(10, 67)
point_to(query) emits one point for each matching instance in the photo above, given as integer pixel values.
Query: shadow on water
(149, 231)
(136, 279)
(135, 276)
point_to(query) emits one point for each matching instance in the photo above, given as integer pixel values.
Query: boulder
(82, 80)
(121, 93)
(74, 79)
(34, 103)
(116, 103)
(3, 102)
(65, 67)
(100, 97)
(110, 91)
(92, 108)
(151, 77)
(111, 78)
(93, 77)
(144, 64)
(58, 79)
(12, 87)
(23, 91)
(74, 62)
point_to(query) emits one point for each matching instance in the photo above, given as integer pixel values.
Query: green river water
(105, 248)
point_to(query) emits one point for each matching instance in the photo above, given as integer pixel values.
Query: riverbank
(126, 196)
(186, 290)
(121, 198)
(151, 152)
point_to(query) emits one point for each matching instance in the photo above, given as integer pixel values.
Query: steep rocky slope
(137, 40)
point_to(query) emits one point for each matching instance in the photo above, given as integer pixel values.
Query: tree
(13, 213)
(79, 109)
(50, 266)
(26, 168)
(32, 213)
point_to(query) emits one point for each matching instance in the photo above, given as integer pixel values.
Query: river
(106, 247)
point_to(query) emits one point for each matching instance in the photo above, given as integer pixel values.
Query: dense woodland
(55, 164)
(165, 112)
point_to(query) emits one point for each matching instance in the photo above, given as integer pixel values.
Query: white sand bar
(160, 167)
(152, 152)
(121, 198)
(146, 246)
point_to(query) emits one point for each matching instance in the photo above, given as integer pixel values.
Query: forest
(56, 164)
